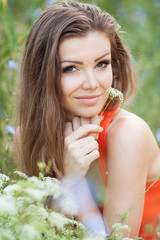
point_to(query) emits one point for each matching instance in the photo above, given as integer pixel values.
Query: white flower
(67, 204)
(74, 222)
(120, 226)
(94, 238)
(11, 189)
(21, 174)
(6, 234)
(51, 179)
(7, 205)
(52, 188)
(128, 238)
(28, 232)
(40, 211)
(1, 183)
(39, 183)
(4, 177)
(3, 180)
(35, 194)
(20, 202)
(114, 93)
(57, 219)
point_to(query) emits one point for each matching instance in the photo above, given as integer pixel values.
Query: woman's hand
(81, 146)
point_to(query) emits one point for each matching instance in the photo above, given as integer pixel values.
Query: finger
(82, 142)
(87, 121)
(89, 147)
(83, 131)
(95, 120)
(68, 129)
(95, 135)
(92, 156)
(84, 121)
(76, 123)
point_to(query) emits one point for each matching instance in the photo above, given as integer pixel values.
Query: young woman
(73, 55)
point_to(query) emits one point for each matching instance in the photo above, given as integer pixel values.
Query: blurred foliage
(140, 21)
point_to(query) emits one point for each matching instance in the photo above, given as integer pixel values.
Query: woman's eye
(103, 64)
(69, 69)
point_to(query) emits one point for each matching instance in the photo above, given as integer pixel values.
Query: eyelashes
(69, 69)
(101, 65)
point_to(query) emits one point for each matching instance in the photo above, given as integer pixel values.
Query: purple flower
(48, 2)
(10, 129)
(12, 64)
(37, 12)
(158, 135)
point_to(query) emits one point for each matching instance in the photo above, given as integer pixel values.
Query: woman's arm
(81, 149)
(128, 164)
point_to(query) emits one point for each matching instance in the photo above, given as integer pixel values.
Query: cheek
(107, 79)
(69, 85)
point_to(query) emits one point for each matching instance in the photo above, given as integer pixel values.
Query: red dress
(151, 213)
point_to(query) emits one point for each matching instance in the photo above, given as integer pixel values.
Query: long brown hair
(41, 114)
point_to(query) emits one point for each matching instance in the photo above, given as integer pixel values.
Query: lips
(88, 99)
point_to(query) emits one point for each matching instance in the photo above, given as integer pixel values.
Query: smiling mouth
(88, 99)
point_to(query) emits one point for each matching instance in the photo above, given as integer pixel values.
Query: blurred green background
(140, 20)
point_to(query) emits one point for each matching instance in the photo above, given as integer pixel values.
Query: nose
(90, 80)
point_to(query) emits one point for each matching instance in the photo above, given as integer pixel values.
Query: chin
(88, 114)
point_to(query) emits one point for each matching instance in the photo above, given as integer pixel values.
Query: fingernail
(101, 129)
(101, 118)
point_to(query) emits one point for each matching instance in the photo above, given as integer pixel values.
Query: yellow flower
(21, 39)
(4, 3)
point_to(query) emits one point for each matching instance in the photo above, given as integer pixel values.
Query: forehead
(93, 44)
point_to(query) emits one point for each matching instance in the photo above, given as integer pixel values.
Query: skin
(129, 168)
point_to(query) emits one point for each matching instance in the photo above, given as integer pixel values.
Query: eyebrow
(81, 63)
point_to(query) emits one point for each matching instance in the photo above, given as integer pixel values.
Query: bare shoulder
(127, 125)
(130, 138)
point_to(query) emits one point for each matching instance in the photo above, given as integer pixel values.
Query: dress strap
(108, 116)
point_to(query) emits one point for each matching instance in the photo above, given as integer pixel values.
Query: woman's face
(86, 73)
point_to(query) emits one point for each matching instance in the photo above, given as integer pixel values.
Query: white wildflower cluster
(3, 180)
(28, 231)
(7, 234)
(12, 189)
(35, 194)
(7, 205)
(126, 238)
(20, 174)
(119, 228)
(57, 220)
(24, 216)
(114, 93)
(93, 238)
